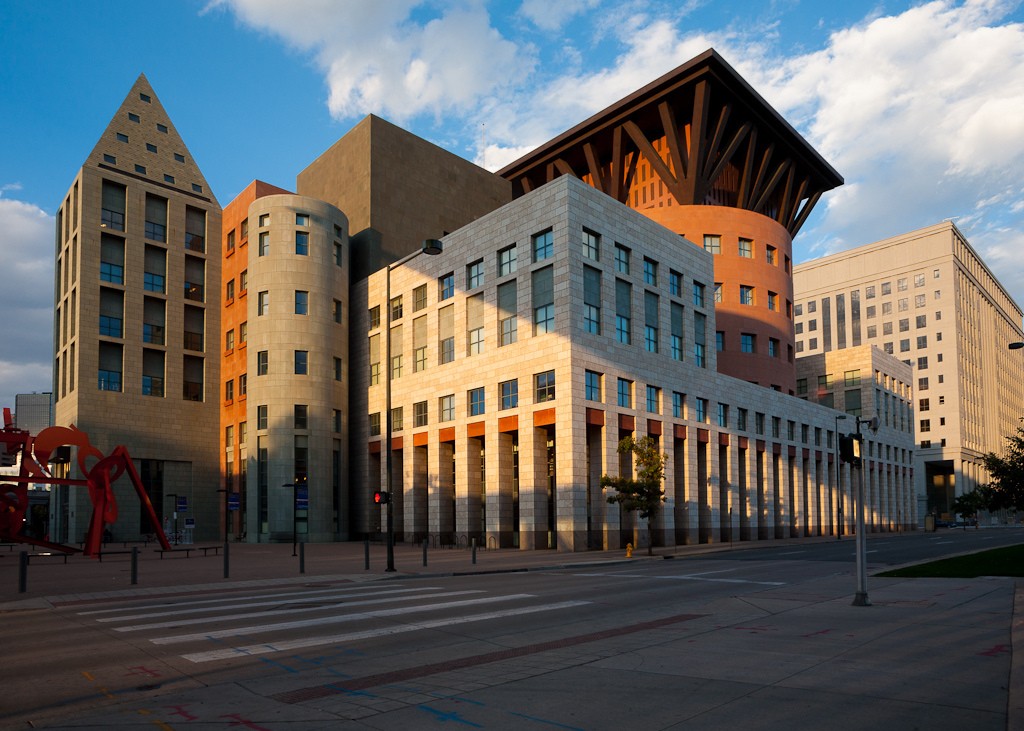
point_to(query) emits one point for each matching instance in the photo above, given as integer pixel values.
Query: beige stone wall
(770, 477)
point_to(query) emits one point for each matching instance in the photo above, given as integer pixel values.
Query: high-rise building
(927, 298)
(136, 341)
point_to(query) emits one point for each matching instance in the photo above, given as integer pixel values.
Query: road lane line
(298, 644)
(691, 577)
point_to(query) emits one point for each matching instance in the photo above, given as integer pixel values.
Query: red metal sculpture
(99, 475)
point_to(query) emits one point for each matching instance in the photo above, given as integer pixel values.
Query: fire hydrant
(629, 550)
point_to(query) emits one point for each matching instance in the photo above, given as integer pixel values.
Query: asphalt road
(518, 646)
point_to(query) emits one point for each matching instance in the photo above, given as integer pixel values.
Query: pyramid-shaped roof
(142, 142)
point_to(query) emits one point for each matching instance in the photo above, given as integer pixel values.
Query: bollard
(302, 558)
(23, 572)
(227, 560)
(424, 551)
(474, 551)
(135, 565)
(366, 551)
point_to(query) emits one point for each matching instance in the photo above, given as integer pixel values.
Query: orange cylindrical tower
(754, 288)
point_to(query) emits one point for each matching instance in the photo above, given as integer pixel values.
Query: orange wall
(732, 270)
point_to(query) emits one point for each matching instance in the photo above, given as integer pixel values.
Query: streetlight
(1016, 346)
(174, 507)
(431, 247)
(839, 482)
(861, 598)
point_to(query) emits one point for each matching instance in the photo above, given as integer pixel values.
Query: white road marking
(199, 657)
(692, 577)
(397, 612)
(178, 611)
(291, 611)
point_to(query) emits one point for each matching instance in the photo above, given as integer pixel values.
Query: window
(419, 413)
(121, 137)
(543, 246)
(746, 295)
(741, 419)
(625, 393)
(419, 298)
(132, 117)
(339, 255)
(475, 397)
(748, 343)
(229, 340)
(243, 385)
(243, 333)
(162, 129)
(262, 363)
(924, 405)
(746, 248)
(903, 304)
(922, 341)
(653, 399)
(773, 348)
(678, 403)
(302, 243)
(544, 386)
(475, 274)
(621, 259)
(507, 260)
(592, 386)
(447, 348)
(446, 408)
(263, 303)
(476, 341)
(622, 329)
(650, 339)
(698, 294)
(926, 425)
(922, 363)
(110, 159)
(336, 419)
(337, 369)
(264, 245)
(396, 366)
(771, 255)
(773, 301)
(419, 359)
(397, 418)
(300, 416)
(719, 341)
(901, 284)
(301, 362)
(723, 414)
(591, 245)
(261, 417)
(301, 302)
(301, 219)
(713, 243)
(374, 423)
(650, 272)
(717, 296)
(446, 286)
(509, 394)
(396, 307)
(337, 310)
(851, 378)
(243, 281)
(544, 319)
(675, 283)
(702, 410)
(264, 219)
(374, 316)
(922, 384)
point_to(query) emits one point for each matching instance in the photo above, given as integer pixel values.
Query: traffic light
(380, 497)
(849, 449)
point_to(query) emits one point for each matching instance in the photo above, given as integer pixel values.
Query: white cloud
(549, 16)
(26, 298)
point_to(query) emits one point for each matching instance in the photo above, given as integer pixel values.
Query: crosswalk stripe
(398, 611)
(291, 611)
(228, 599)
(297, 644)
(178, 611)
(692, 577)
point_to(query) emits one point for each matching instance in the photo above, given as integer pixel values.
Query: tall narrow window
(543, 294)
(623, 311)
(592, 300)
(507, 297)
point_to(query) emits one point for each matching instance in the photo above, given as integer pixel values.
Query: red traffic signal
(381, 498)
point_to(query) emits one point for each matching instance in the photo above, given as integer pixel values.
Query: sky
(918, 105)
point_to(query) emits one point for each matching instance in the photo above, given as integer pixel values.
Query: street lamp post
(839, 483)
(861, 597)
(174, 508)
(431, 247)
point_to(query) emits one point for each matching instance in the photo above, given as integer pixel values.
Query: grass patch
(1008, 561)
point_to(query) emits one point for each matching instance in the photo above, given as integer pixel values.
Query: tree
(1006, 473)
(968, 504)
(642, 495)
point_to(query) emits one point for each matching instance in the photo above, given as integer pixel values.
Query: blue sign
(182, 504)
(234, 501)
(301, 497)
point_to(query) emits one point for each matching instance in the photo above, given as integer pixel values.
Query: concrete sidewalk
(902, 665)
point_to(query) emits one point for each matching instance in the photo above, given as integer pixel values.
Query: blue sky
(920, 106)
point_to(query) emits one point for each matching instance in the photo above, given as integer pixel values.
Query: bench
(188, 550)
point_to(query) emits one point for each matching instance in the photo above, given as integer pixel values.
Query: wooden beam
(730, 150)
(598, 179)
(658, 165)
(805, 212)
(716, 141)
(794, 206)
(769, 188)
(617, 165)
(762, 171)
(674, 140)
(693, 188)
(746, 182)
(565, 168)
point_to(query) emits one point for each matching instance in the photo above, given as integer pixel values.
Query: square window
(446, 408)
(507, 260)
(132, 117)
(746, 295)
(476, 341)
(543, 246)
(509, 394)
(544, 386)
(713, 243)
(475, 397)
(161, 128)
(591, 245)
(446, 286)
(746, 248)
(475, 274)
(396, 307)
